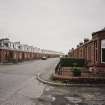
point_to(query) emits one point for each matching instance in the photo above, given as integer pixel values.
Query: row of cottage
(15, 51)
(93, 51)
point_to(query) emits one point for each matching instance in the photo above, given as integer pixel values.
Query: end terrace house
(93, 51)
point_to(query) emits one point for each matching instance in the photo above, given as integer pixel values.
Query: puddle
(47, 98)
(74, 99)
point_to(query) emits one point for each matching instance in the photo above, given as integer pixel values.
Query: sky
(56, 25)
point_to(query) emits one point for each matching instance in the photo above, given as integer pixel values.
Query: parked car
(44, 58)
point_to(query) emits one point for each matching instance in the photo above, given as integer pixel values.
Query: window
(103, 55)
(103, 51)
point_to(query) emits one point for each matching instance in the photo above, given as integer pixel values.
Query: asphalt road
(18, 84)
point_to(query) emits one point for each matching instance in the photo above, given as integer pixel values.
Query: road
(18, 84)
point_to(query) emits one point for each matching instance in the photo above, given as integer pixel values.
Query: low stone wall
(81, 79)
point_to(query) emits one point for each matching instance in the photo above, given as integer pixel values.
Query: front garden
(76, 71)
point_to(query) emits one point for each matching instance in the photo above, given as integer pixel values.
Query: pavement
(56, 93)
(69, 94)
(72, 96)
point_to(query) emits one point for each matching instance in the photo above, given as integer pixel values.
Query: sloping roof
(4, 39)
(102, 30)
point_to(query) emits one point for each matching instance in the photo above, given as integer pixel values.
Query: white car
(44, 58)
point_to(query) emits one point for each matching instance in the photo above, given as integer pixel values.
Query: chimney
(72, 49)
(86, 40)
(81, 43)
(78, 46)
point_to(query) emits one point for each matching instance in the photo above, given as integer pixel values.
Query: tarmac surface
(19, 86)
(18, 83)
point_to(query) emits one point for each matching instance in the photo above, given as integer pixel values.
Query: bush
(72, 62)
(76, 72)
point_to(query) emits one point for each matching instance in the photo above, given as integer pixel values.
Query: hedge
(72, 62)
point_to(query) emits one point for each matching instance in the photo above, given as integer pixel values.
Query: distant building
(15, 51)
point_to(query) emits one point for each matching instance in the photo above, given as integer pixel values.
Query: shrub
(76, 72)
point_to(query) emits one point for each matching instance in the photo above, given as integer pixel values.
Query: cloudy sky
(51, 24)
